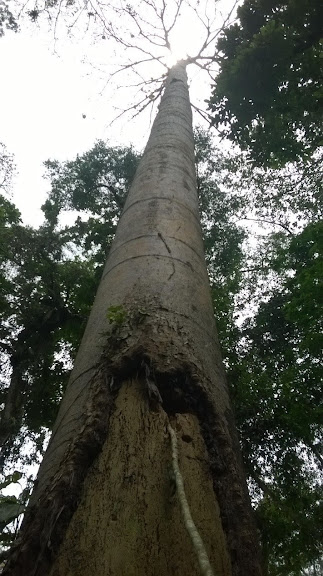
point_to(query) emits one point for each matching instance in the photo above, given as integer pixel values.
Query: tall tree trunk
(149, 359)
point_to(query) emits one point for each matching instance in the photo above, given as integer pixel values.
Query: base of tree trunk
(129, 520)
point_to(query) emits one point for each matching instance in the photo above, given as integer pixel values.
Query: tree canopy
(276, 381)
(268, 93)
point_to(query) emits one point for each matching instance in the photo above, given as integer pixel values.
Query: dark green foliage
(36, 308)
(304, 307)
(276, 383)
(92, 181)
(10, 506)
(291, 527)
(268, 95)
(95, 185)
(288, 197)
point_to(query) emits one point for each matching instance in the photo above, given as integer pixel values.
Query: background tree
(276, 385)
(268, 94)
(268, 99)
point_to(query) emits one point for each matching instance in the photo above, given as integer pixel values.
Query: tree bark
(149, 358)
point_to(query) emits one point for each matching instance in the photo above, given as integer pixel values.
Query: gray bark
(156, 275)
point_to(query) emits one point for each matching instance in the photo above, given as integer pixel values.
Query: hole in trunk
(186, 438)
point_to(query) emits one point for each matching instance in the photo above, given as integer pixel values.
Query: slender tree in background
(148, 364)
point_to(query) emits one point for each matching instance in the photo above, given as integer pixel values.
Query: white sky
(44, 96)
(42, 102)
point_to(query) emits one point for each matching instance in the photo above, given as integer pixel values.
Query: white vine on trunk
(206, 569)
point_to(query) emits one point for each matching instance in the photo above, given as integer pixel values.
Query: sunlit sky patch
(55, 101)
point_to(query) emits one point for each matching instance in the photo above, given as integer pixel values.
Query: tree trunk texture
(104, 501)
(144, 532)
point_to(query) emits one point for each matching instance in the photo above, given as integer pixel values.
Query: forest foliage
(268, 96)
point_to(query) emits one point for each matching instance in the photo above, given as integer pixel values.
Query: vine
(205, 566)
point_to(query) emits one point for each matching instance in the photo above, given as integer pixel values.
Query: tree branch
(269, 222)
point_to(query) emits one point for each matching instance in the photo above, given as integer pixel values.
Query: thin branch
(269, 222)
(139, 106)
(170, 28)
(202, 113)
(144, 29)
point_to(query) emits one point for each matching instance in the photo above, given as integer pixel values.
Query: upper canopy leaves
(268, 94)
